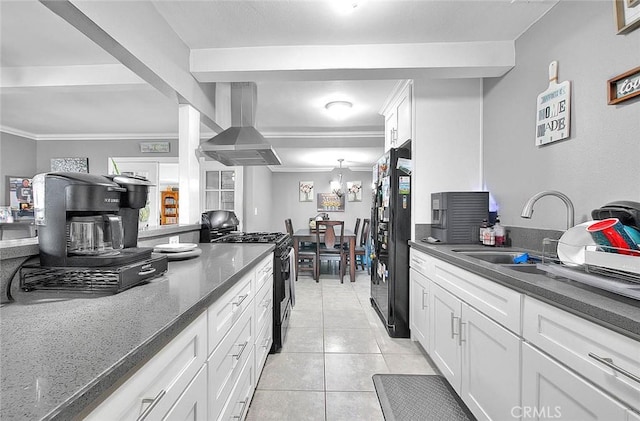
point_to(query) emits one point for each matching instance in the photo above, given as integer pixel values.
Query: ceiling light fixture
(339, 109)
(337, 187)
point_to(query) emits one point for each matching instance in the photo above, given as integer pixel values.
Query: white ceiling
(51, 88)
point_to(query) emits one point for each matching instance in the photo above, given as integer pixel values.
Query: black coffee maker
(87, 220)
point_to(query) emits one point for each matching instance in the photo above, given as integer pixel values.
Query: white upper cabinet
(398, 112)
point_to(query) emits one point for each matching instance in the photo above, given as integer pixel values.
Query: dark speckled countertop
(60, 351)
(613, 311)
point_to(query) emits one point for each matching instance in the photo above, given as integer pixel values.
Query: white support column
(189, 165)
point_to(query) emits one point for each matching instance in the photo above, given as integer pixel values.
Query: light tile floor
(335, 343)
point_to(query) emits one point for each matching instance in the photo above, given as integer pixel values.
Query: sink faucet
(527, 211)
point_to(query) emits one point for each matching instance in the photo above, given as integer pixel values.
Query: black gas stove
(283, 294)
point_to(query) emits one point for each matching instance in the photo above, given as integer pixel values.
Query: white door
(150, 215)
(490, 367)
(550, 390)
(444, 331)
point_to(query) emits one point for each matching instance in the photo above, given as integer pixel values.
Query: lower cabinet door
(444, 331)
(192, 405)
(550, 390)
(419, 307)
(490, 367)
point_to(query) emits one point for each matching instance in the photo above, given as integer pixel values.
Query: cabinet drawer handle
(153, 404)
(424, 294)
(267, 303)
(266, 342)
(453, 323)
(242, 298)
(244, 405)
(242, 347)
(461, 326)
(609, 363)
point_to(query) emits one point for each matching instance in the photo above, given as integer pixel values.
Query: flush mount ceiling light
(338, 109)
(345, 7)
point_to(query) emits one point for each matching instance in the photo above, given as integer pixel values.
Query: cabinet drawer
(264, 339)
(227, 360)
(552, 391)
(264, 270)
(421, 262)
(192, 405)
(572, 339)
(164, 378)
(264, 305)
(238, 403)
(496, 301)
(227, 309)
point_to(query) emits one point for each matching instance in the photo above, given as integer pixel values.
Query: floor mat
(405, 397)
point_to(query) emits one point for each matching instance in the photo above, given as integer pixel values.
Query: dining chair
(330, 247)
(306, 257)
(361, 249)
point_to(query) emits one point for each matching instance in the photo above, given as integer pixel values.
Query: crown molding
(17, 132)
(275, 168)
(87, 136)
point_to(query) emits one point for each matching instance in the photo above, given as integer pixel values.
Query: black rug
(405, 397)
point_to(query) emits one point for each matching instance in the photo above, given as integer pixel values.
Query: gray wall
(286, 202)
(599, 162)
(258, 200)
(17, 158)
(96, 150)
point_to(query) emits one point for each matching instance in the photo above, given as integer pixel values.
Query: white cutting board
(553, 109)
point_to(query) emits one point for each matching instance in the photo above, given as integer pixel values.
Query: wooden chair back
(330, 239)
(289, 226)
(366, 225)
(355, 230)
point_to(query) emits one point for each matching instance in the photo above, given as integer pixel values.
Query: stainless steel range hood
(241, 144)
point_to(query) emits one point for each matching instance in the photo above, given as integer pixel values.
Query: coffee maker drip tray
(107, 279)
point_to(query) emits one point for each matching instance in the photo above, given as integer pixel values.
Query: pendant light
(337, 187)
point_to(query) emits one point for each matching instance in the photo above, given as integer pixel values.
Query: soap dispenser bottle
(499, 232)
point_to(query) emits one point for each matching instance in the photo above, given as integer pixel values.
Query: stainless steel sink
(494, 256)
(526, 268)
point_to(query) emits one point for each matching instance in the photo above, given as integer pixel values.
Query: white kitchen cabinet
(468, 336)
(238, 404)
(398, 114)
(593, 351)
(192, 405)
(158, 384)
(550, 390)
(633, 416)
(419, 308)
(490, 366)
(227, 309)
(446, 353)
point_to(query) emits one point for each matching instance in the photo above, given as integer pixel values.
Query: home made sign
(553, 110)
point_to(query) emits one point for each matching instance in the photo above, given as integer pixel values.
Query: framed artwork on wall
(330, 202)
(354, 191)
(627, 15)
(624, 86)
(305, 191)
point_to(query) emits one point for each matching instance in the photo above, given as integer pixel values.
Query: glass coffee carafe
(95, 235)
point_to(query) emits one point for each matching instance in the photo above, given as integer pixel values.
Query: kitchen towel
(405, 397)
(292, 276)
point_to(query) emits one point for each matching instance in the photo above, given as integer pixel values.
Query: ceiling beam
(156, 54)
(349, 62)
(74, 75)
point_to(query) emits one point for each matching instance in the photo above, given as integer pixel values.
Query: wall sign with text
(624, 86)
(553, 115)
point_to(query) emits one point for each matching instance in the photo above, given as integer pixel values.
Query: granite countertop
(613, 311)
(62, 350)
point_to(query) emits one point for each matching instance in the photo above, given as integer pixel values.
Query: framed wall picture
(354, 191)
(627, 15)
(330, 202)
(305, 191)
(624, 86)
(70, 165)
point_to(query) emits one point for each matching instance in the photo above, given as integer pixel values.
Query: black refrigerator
(390, 233)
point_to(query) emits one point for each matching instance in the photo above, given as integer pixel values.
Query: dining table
(308, 235)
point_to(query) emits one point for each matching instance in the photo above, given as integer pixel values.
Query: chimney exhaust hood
(241, 144)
